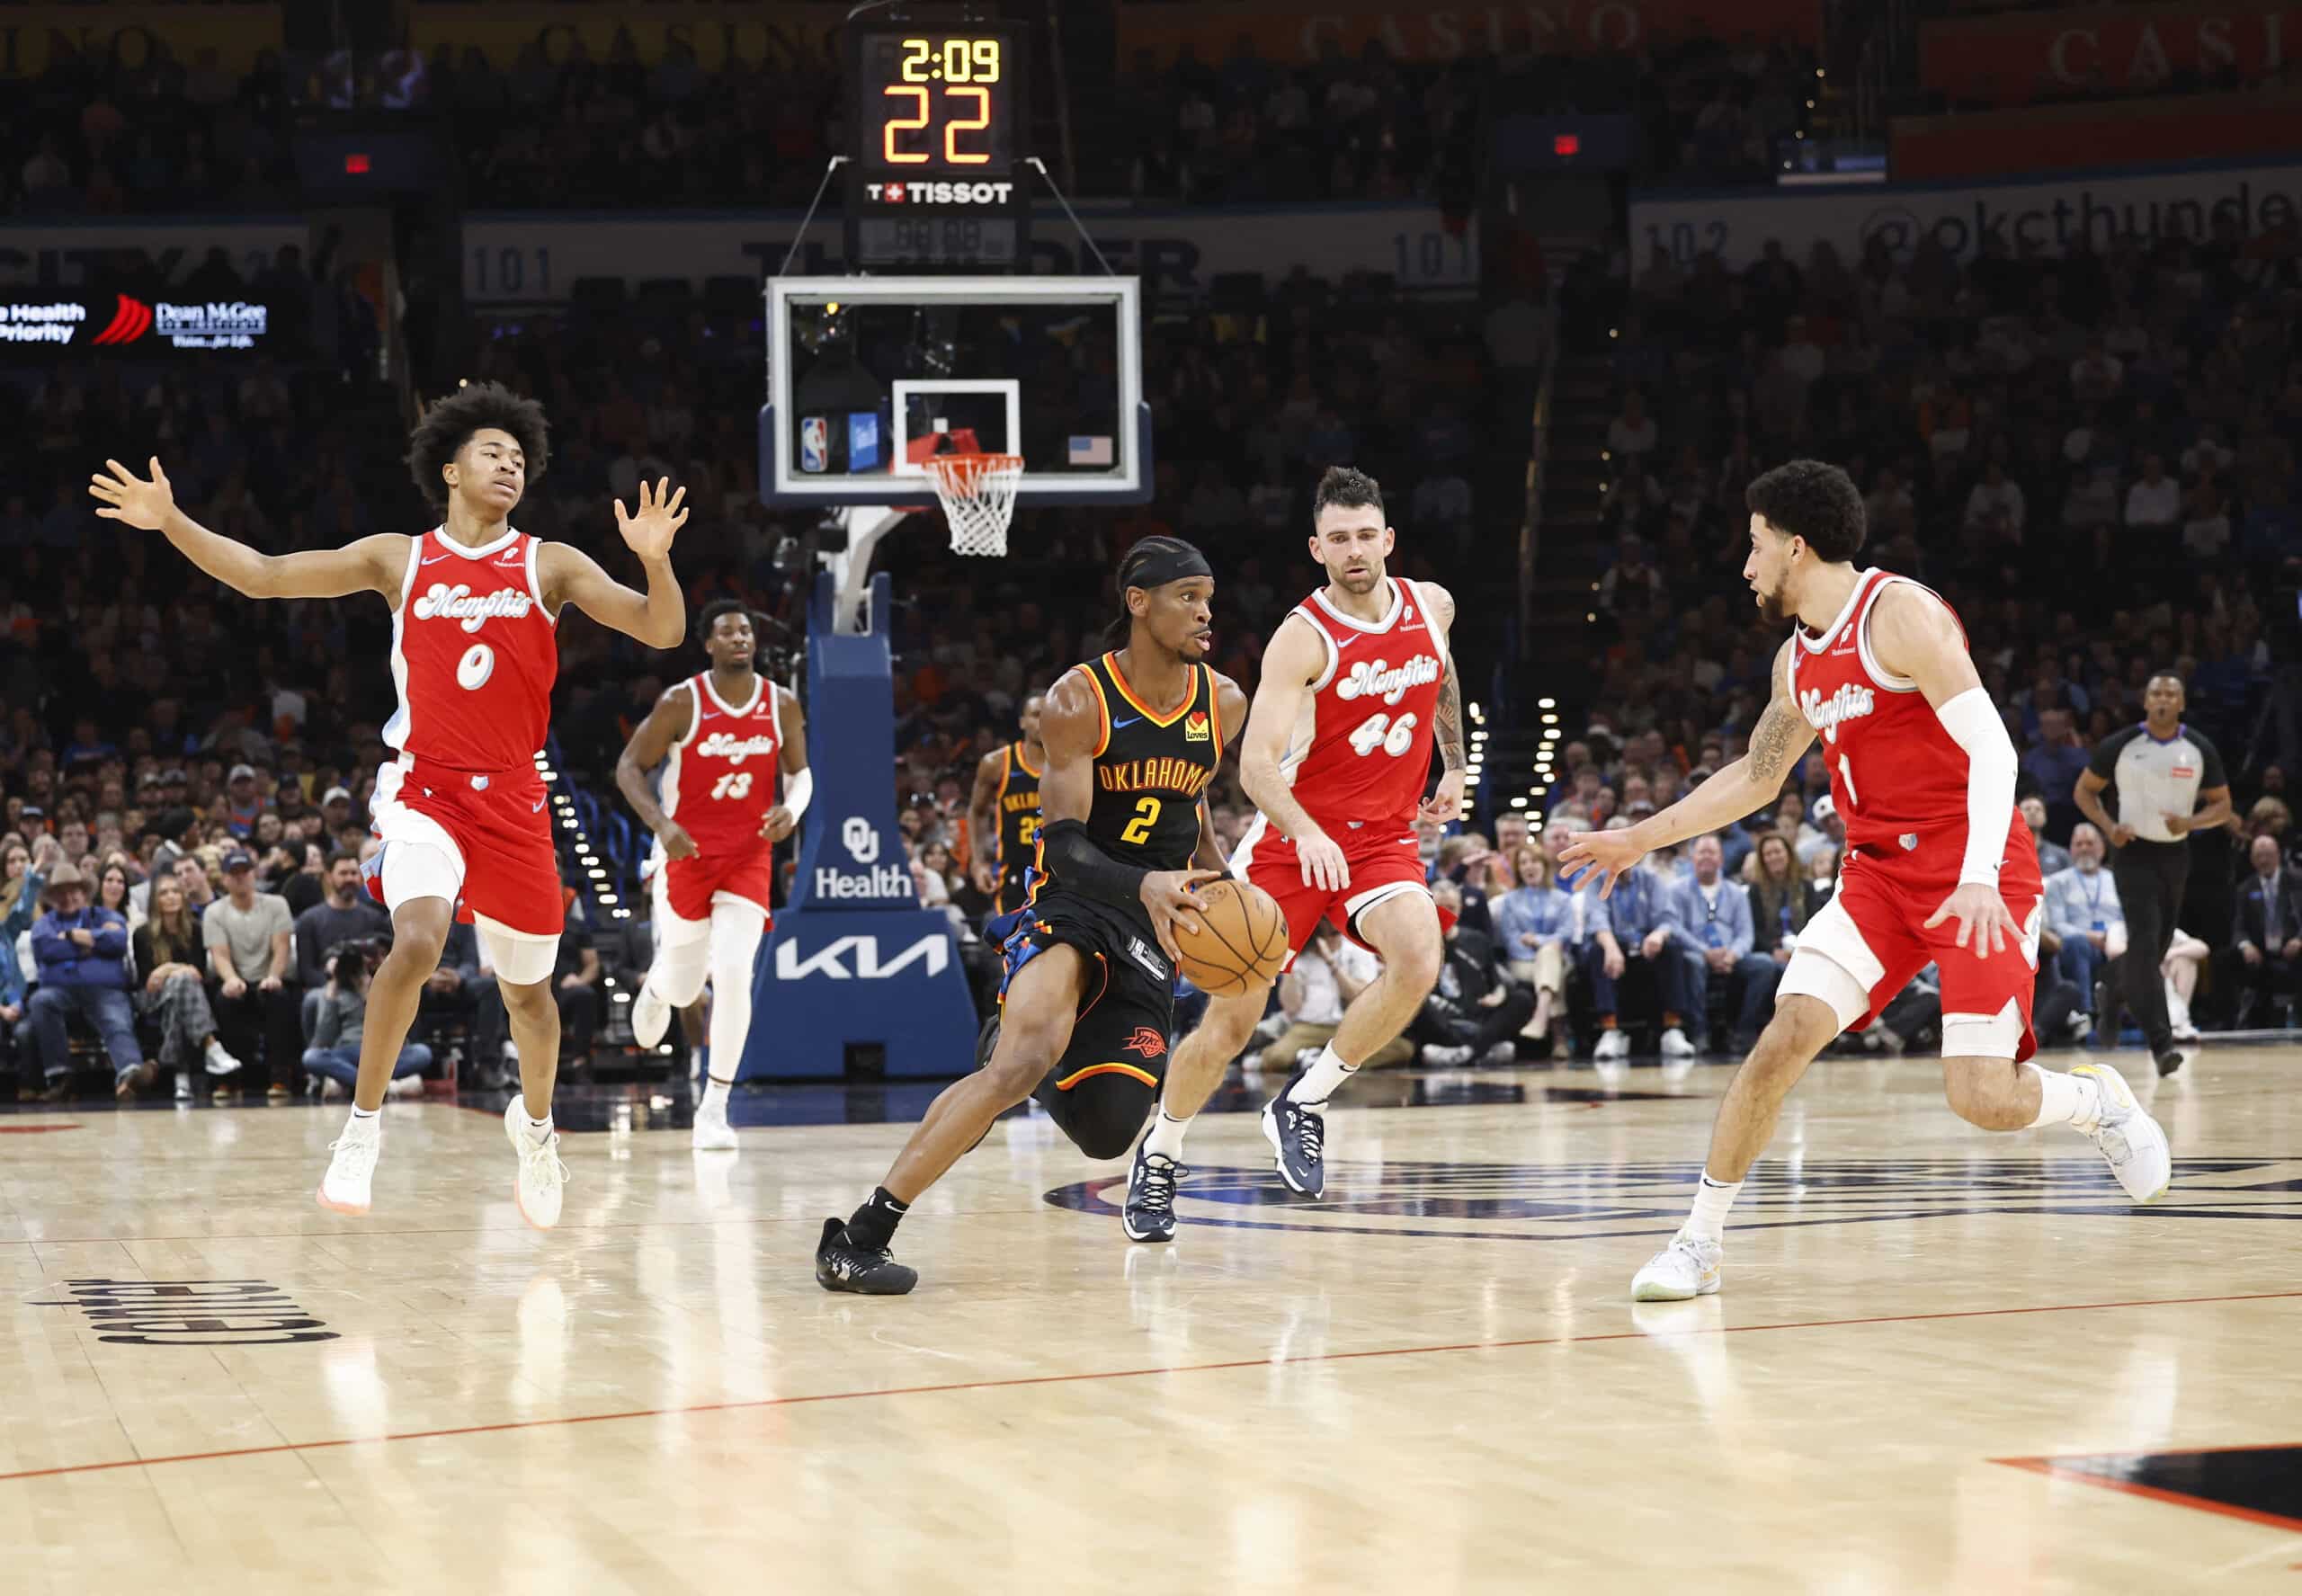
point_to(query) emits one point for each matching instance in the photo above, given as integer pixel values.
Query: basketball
(1242, 942)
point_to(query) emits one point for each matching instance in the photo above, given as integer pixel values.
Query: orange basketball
(1241, 944)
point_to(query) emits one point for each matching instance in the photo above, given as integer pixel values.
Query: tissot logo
(938, 193)
(1577, 1201)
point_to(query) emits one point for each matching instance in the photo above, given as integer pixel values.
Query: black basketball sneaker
(842, 1266)
(1149, 1215)
(1297, 1137)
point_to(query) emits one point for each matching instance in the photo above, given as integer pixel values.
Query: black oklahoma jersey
(1150, 770)
(1017, 806)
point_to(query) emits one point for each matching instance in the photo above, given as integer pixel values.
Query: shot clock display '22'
(939, 104)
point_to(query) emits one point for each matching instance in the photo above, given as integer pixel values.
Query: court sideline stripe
(1120, 1374)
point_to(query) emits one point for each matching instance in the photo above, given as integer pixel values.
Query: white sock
(715, 1094)
(1707, 1220)
(360, 1116)
(1319, 1082)
(538, 1129)
(2065, 1100)
(1166, 1137)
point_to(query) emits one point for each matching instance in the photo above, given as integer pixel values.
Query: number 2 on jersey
(1370, 735)
(735, 784)
(1147, 816)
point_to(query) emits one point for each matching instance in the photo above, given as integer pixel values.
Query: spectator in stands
(1534, 928)
(2082, 910)
(23, 879)
(347, 914)
(247, 934)
(2154, 501)
(1778, 895)
(334, 1053)
(2054, 763)
(1713, 938)
(2266, 932)
(1321, 983)
(2052, 856)
(172, 988)
(1632, 436)
(81, 952)
(1476, 1011)
(199, 887)
(1631, 931)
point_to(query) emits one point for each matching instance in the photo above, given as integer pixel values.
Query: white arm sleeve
(803, 787)
(1973, 725)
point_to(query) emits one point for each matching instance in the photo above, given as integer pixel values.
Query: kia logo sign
(857, 959)
(858, 837)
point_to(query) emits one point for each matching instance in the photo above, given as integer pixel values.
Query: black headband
(1155, 563)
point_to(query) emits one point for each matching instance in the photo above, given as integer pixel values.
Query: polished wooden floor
(1943, 1361)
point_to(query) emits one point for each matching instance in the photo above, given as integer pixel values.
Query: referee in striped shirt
(2160, 769)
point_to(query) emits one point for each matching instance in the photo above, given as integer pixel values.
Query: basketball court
(1943, 1361)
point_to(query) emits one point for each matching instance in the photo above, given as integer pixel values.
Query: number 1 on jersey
(1846, 772)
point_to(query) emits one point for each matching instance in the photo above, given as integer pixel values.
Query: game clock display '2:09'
(937, 105)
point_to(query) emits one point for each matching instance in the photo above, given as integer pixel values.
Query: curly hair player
(1923, 772)
(1132, 740)
(461, 809)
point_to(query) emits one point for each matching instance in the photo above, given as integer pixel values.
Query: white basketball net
(977, 492)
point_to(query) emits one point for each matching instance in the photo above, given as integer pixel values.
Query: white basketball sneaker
(651, 1016)
(1687, 1267)
(542, 1174)
(343, 1190)
(2127, 1137)
(712, 1132)
(1612, 1045)
(1675, 1044)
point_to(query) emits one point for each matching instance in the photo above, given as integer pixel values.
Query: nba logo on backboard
(815, 444)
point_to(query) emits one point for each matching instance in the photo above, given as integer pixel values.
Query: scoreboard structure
(941, 122)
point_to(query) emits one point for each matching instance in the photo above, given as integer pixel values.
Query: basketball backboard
(869, 376)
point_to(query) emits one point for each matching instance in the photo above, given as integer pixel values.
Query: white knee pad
(678, 970)
(518, 957)
(1812, 973)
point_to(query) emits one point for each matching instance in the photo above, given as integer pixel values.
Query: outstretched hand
(131, 498)
(647, 531)
(1612, 853)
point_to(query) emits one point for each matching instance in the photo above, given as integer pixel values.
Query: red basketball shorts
(1384, 863)
(493, 828)
(687, 885)
(1866, 943)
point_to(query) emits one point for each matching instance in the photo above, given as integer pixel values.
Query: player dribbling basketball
(1132, 738)
(1357, 685)
(1923, 774)
(476, 606)
(723, 737)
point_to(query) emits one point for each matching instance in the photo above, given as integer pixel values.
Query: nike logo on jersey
(435, 560)
(536, 806)
(1130, 720)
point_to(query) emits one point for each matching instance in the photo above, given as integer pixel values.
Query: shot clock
(935, 179)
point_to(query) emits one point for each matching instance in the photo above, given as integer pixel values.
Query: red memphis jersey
(1361, 755)
(1896, 776)
(474, 654)
(719, 780)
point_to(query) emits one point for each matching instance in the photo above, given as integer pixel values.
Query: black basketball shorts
(1103, 1087)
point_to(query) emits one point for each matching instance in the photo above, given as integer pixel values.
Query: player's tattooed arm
(1775, 744)
(1449, 723)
